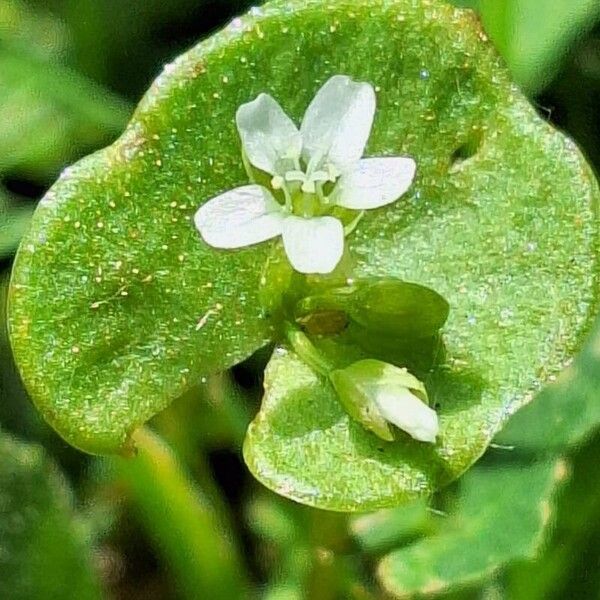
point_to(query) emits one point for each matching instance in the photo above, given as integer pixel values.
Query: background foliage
(186, 519)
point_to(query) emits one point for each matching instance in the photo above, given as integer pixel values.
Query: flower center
(303, 188)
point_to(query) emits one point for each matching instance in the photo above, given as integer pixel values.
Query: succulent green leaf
(500, 516)
(43, 551)
(565, 412)
(574, 533)
(117, 306)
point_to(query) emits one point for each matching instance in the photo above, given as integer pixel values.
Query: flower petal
(338, 122)
(313, 245)
(375, 182)
(241, 217)
(269, 137)
(409, 413)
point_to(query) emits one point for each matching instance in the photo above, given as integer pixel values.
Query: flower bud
(385, 306)
(376, 394)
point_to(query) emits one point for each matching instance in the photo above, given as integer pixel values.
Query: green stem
(185, 527)
(331, 574)
(305, 349)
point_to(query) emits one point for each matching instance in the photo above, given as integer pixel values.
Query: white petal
(269, 137)
(409, 413)
(313, 245)
(338, 121)
(241, 217)
(375, 182)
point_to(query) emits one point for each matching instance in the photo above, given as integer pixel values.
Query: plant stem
(330, 576)
(185, 527)
(305, 349)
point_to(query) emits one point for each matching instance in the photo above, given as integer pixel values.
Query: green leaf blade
(482, 534)
(142, 316)
(117, 305)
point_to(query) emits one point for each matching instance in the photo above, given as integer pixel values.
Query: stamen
(332, 172)
(295, 176)
(315, 161)
(309, 186)
(277, 182)
(319, 176)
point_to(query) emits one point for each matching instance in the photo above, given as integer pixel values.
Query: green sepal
(385, 306)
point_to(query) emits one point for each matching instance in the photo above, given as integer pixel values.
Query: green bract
(117, 306)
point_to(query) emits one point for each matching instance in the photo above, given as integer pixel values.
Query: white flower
(376, 393)
(402, 408)
(313, 170)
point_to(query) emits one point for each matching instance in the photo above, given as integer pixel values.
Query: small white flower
(409, 413)
(376, 393)
(314, 169)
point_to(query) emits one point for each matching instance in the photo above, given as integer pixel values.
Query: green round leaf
(117, 306)
(499, 516)
(500, 222)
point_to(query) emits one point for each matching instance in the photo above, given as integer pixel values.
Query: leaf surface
(482, 534)
(117, 306)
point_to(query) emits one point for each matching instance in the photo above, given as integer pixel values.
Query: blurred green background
(187, 520)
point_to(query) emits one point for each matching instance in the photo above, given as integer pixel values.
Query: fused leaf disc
(117, 305)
